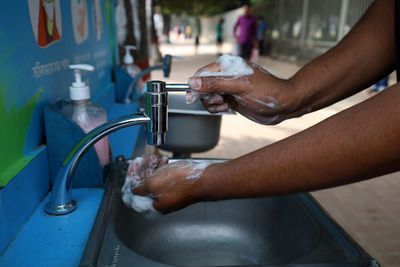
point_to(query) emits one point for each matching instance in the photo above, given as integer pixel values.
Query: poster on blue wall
(38, 40)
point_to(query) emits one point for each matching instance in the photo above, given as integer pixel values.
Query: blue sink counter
(55, 240)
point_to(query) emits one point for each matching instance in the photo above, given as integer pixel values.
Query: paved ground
(369, 211)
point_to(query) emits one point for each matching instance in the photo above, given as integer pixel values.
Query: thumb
(141, 188)
(218, 84)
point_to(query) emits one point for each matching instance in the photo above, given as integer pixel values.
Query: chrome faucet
(156, 119)
(166, 67)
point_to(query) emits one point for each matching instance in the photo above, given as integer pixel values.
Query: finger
(148, 173)
(140, 189)
(157, 206)
(164, 206)
(169, 203)
(231, 100)
(212, 99)
(219, 84)
(143, 165)
(192, 97)
(218, 108)
(213, 67)
(135, 166)
(163, 161)
(153, 161)
(132, 169)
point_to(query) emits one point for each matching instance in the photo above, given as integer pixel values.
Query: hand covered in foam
(139, 169)
(173, 186)
(245, 87)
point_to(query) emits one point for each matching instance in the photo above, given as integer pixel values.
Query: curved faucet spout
(61, 201)
(156, 118)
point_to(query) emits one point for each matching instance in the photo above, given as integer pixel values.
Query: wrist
(208, 186)
(300, 95)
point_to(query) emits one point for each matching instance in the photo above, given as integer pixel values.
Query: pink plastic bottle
(87, 114)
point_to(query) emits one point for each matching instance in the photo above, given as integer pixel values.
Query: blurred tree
(199, 7)
(258, 2)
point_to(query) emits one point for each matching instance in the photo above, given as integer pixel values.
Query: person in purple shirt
(247, 36)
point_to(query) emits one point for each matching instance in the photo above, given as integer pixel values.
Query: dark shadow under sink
(289, 230)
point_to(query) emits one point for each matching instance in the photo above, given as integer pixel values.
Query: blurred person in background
(188, 32)
(245, 32)
(262, 27)
(182, 32)
(176, 32)
(197, 31)
(218, 34)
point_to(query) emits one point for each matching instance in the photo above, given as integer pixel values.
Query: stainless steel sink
(224, 233)
(289, 230)
(191, 128)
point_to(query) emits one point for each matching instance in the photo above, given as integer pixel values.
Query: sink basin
(191, 128)
(290, 230)
(224, 233)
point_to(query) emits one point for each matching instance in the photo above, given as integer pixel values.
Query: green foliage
(198, 7)
(258, 2)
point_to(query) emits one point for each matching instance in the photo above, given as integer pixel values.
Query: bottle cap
(79, 90)
(128, 59)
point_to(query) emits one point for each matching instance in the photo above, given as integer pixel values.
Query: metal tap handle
(157, 110)
(177, 87)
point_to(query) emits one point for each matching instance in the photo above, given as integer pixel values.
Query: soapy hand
(145, 166)
(245, 87)
(139, 169)
(173, 186)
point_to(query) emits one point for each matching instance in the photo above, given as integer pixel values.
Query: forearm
(364, 56)
(359, 143)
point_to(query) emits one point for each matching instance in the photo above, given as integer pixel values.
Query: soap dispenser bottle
(129, 65)
(85, 113)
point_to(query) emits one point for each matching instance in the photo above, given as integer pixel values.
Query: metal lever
(157, 109)
(177, 87)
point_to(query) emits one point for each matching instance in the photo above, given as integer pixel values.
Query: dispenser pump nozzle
(79, 90)
(128, 59)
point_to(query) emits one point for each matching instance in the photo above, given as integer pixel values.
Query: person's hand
(139, 168)
(173, 186)
(145, 166)
(260, 96)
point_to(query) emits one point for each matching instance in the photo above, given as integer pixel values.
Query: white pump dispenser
(131, 68)
(86, 114)
(79, 90)
(128, 59)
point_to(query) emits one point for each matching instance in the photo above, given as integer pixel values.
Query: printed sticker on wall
(97, 19)
(46, 21)
(79, 20)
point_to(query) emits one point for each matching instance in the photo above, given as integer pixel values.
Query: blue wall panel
(34, 64)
